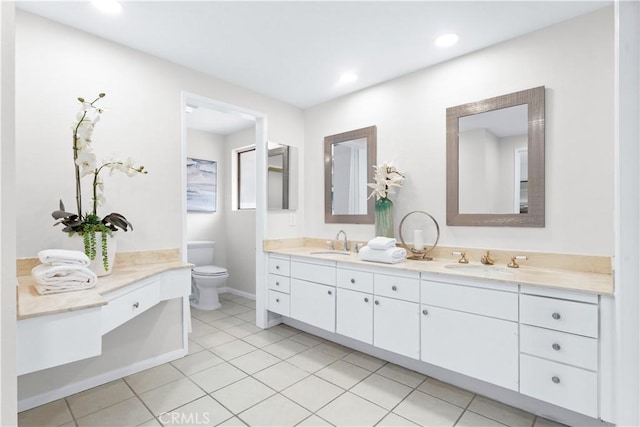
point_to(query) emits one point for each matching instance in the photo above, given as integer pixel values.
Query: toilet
(206, 278)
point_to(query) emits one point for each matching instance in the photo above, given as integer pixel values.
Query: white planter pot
(76, 243)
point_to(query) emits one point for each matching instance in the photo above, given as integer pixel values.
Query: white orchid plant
(386, 176)
(85, 164)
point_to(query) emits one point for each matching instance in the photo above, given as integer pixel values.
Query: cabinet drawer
(565, 386)
(279, 303)
(279, 283)
(123, 307)
(404, 288)
(279, 266)
(560, 346)
(355, 280)
(486, 302)
(562, 315)
(317, 273)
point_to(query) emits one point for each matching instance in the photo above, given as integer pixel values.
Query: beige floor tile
(232, 422)
(312, 392)
(204, 411)
(194, 347)
(311, 360)
(275, 411)
(219, 376)
(243, 330)
(200, 328)
(307, 339)
(151, 423)
(238, 309)
(241, 300)
(471, 419)
(281, 375)
(154, 377)
(284, 330)
(215, 339)
(500, 412)
(395, 420)
(94, 399)
(448, 392)
(263, 338)
(171, 396)
(351, 410)
(228, 303)
(227, 323)
(233, 349)
(543, 422)
(197, 362)
(333, 349)
(226, 296)
(55, 413)
(314, 421)
(211, 315)
(130, 412)
(249, 317)
(254, 361)
(250, 304)
(382, 391)
(402, 375)
(285, 349)
(427, 410)
(69, 424)
(365, 361)
(242, 395)
(343, 374)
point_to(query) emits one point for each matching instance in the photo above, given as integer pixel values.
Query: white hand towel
(382, 243)
(63, 257)
(389, 256)
(64, 276)
(46, 289)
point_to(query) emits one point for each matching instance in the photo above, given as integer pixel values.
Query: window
(247, 178)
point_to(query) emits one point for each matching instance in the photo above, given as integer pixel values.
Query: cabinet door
(314, 304)
(396, 326)
(355, 315)
(477, 346)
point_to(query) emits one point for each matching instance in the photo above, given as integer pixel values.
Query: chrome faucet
(345, 246)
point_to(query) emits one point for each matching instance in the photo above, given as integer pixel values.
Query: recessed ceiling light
(446, 40)
(347, 78)
(111, 7)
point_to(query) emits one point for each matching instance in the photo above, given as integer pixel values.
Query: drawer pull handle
(556, 346)
(277, 299)
(353, 280)
(329, 292)
(376, 302)
(555, 380)
(366, 300)
(136, 304)
(425, 312)
(394, 288)
(277, 267)
(556, 316)
(277, 283)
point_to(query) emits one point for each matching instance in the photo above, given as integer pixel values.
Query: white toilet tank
(201, 252)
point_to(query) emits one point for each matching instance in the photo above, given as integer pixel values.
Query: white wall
(574, 60)
(210, 225)
(54, 65)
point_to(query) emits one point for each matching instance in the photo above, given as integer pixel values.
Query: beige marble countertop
(556, 278)
(138, 266)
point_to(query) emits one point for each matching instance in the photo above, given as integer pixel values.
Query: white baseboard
(68, 390)
(237, 292)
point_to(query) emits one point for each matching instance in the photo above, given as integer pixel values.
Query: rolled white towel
(48, 289)
(389, 256)
(382, 243)
(64, 276)
(63, 257)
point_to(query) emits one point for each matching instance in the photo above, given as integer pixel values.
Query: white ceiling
(207, 120)
(295, 51)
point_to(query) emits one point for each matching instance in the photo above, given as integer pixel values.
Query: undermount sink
(479, 270)
(331, 253)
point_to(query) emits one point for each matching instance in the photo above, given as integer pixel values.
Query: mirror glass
(349, 158)
(282, 177)
(495, 161)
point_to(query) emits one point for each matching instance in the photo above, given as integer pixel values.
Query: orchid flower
(386, 177)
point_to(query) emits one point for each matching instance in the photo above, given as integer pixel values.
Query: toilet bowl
(206, 278)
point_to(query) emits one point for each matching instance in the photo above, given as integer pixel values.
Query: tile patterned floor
(237, 374)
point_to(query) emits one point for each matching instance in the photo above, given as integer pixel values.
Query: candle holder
(419, 254)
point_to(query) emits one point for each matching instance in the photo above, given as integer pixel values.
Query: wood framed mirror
(495, 161)
(348, 167)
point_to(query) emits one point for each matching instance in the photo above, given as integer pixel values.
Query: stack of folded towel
(383, 249)
(63, 271)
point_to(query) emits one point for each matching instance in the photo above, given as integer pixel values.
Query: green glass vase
(384, 217)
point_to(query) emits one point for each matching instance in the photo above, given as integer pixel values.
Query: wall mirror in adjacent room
(495, 161)
(348, 167)
(282, 177)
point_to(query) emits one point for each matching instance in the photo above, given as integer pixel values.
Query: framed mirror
(495, 161)
(282, 177)
(348, 167)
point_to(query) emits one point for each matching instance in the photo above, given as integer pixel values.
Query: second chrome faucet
(345, 245)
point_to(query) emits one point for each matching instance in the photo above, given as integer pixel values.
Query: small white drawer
(404, 288)
(317, 273)
(562, 315)
(279, 266)
(565, 386)
(279, 283)
(486, 302)
(360, 281)
(126, 306)
(560, 346)
(279, 303)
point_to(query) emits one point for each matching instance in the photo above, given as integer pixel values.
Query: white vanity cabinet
(313, 293)
(471, 330)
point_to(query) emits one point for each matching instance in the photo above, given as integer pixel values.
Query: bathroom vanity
(511, 334)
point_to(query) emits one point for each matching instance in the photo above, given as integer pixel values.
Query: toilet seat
(210, 271)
